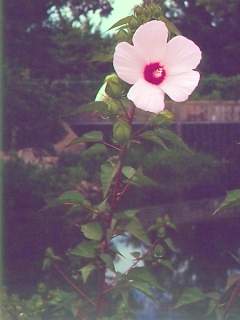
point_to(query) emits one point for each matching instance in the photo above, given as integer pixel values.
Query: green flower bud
(121, 131)
(113, 105)
(114, 88)
(138, 10)
(133, 23)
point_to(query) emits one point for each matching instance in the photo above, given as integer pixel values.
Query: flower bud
(138, 10)
(133, 23)
(121, 131)
(114, 88)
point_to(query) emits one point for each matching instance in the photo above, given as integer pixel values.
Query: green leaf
(140, 180)
(128, 172)
(92, 136)
(150, 135)
(166, 263)
(120, 22)
(172, 138)
(190, 296)
(170, 244)
(95, 106)
(232, 200)
(135, 228)
(127, 214)
(92, 231)
(144, 287)
(108, 260)
(86, 271)
(107, 174)
(94, 150)
(73, 197)
(142, 274)
(142, 279)
(85, 249)
(163, 118)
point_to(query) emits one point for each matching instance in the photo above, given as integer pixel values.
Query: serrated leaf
(108, 260)
(85, 249)
(92, 136)
(128, 172)
(135, 228)
(92, 231)
(86, 271)
(232, 200)
(190, 296)
(107, 174)
(120, 22)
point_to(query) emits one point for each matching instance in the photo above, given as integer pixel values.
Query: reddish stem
(73, 285)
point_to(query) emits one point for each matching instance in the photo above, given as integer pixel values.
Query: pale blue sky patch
(121, 9)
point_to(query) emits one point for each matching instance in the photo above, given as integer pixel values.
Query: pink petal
(127, 63)
(179, 86)
(146, 96)
(181, 55)
(150, 40)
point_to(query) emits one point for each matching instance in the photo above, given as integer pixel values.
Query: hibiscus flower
(155, 67)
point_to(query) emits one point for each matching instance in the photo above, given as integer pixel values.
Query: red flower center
(154, 73)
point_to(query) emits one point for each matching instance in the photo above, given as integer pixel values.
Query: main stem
(113, 204)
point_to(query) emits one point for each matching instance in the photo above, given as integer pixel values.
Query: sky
(121, 9)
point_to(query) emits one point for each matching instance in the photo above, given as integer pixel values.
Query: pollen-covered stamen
(154, 73)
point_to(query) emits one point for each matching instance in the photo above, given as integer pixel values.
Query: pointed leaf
(92, 230)
(128, 172)
(92, 136)
(135, 228)
(85, 249)
(172, 138)
(150, 135)
(170, 244)
(190, 296)
(232, 200)
(108, 260)
(120, 22)
(86, 271)
(95, 150)
(108, 172)
(73, 197)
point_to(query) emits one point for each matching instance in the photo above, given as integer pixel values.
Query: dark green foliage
(216, 87)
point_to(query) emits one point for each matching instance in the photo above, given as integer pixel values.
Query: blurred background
(57, 53)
